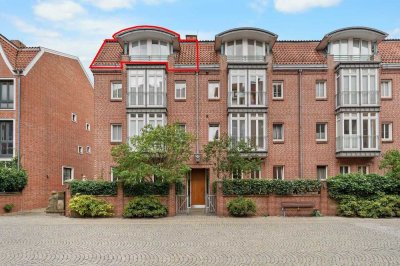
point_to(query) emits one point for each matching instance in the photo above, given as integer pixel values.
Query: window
(237, 174)
(213, 90)
(112, 174)
(116, 90)
(138, 121)
(6, 94)
(6, 139)
(116, 133)
(344, 169)
(320, 89)
(180, 90)
(321, 131)
(182, 127)
(213, 132)
(277, 90)
(80, 149)
(363, 169)
(74, 117)
(278, 134)
(387, 131)
(256, 174)
(88, 150)
(248, 127)
(87, 126)
(67, 174)
(322, 172)
(386, 89)
(278, 172)
(139, 48)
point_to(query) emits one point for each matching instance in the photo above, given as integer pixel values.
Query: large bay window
(146, 88)
(247, 88)
(137, 121)
(245, 50)
(150, 50)
(351, 50)
(248, 127)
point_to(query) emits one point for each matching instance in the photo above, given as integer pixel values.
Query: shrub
(12, 179)
(379, 207)
(241, 207)
(267, 187)
(145, 207)
(146, 189)
(8, 207)
(90, 206)
(93, 187)
(316, 213)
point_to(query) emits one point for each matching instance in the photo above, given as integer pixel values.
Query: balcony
(357, 98)
(245, 59)
(357, 146)
(146, 100)
(247, 99)
(260, 142)
(146, 58)
(353, 58)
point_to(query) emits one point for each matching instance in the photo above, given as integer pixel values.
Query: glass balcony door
(136, 91)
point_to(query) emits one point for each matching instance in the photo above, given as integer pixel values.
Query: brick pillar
(272, 205)
(119, 207)
(67, 190)
(324, 199)
(172, 200)
(219, 199)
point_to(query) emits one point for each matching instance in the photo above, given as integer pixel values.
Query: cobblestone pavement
(39, 239)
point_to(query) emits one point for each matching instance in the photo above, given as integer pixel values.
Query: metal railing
(149, 57)
(146, 99)
(247, 58)
(353, 58)
(357, 143)
(357, 98)
(211, 202)
(182, 204)
(260, 142)
(247, 99)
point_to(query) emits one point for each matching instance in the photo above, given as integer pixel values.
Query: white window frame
(256, 174)
(214, 125)
(80, 149)
(74, 117)
(241, 175)
(113, 139)
(62, 173)
(342, 167)
(283, 132)
(113, 83)
(388, 83)
(214, 84)
(87, 126)
(325, 125)
(144, 119)
(277, 167)
(278, 84)
(180, 85)
(318, 87)
(15, 96)
(88, 150)
(14, 144)
(390, 131)
(326, 172)
(366, 169)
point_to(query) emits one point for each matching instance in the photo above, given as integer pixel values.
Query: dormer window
(351, 50)
(150, 50)
(139, 47)
(245, 50)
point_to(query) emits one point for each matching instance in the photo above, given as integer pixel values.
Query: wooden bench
(296, 205)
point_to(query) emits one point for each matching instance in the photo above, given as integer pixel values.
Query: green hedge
(267, 187)
(93, 187)
(362, 186)
(146, 189)
(379, 207)
(145, 207)
(12, 179)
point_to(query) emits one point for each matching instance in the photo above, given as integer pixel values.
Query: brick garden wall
(11, 198)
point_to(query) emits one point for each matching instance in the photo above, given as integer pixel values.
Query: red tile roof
(109, 55)
(17, 53)
(297, 52)
(389, 51)
(25, 56)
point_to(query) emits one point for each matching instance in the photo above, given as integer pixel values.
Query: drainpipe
(300, 110)
(197, 114)
(19, 73)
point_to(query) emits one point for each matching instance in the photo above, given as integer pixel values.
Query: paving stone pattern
(39, 239)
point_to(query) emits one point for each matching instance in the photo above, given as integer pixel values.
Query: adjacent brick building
(313, 108)
(46, 117)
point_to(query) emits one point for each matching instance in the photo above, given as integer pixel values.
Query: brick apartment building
(313, 108)
(46, 114)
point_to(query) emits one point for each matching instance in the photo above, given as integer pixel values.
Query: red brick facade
(53, 86)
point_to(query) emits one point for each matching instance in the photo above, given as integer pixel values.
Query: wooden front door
(198, 187)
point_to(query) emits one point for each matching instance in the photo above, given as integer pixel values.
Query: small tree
(391, 162)
(227, 157)
(160, 151)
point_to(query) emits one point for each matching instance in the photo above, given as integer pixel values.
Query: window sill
(213, 99)
(387, 141)
(115, 142)
(8, 109)
(115, 100)
(180, 100)
(322, 141)
(278, 141)
(386, 98)
(277, 99)
(321, 99)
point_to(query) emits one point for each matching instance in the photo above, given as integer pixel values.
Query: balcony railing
(260, 142)
(357, 143)
(246, 59)
(353, 58)
(146, 99)
(149, 57)
(247, 99)
(357, 98)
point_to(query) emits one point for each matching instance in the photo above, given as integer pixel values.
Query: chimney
(191, 37)
(18, 43)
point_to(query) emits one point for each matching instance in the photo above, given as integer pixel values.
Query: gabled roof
(297, 52)
(109, 54)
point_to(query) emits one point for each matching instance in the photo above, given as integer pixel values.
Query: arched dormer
(148, 43)
(352, 43)
(245, 44)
